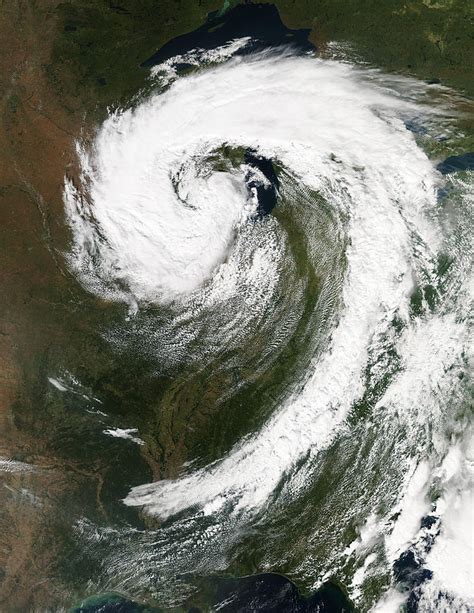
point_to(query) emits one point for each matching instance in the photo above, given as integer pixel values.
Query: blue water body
(260, 22)
(457, 162)
(274, 593)
(267, 193)
(267, 592)
(110, 603)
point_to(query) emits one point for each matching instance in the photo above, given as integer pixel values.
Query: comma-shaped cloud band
(158, 225)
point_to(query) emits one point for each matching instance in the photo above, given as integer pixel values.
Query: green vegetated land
(97, 52)
(432, 39)
(102, 43)
(96, 64)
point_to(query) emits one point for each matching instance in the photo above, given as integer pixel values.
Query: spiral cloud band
(168, 216)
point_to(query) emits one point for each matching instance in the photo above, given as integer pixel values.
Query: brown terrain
(39, 306)
(44, 314)
(36, 143)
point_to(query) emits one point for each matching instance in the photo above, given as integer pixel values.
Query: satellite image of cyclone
(236, 325)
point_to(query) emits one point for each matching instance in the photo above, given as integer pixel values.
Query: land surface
(62, 64)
